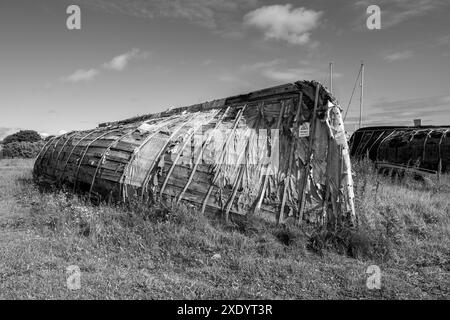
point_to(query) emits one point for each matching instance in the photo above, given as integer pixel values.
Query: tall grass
(407, 216)
(173, 251)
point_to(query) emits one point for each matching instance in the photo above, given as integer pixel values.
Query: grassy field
(160, 253)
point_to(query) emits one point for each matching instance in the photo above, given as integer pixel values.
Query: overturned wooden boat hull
(280, 153)
(425, 148)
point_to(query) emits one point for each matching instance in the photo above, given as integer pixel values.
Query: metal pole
(362, 94)
(331, 77)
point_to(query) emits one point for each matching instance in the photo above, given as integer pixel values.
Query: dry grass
(166, 252)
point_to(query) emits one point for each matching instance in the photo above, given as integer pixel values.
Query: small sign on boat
(303, 130)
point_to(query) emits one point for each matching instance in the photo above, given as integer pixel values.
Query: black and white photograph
(225, 154)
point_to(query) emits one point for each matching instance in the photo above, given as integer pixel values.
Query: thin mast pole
(331, 77)
(362, 94)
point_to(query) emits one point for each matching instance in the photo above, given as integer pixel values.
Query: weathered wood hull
(244, 155)
(427, 148)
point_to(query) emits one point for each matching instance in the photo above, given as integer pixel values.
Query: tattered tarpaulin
(279, 153)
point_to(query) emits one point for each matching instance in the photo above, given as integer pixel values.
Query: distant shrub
(23, 136)
(22, 149)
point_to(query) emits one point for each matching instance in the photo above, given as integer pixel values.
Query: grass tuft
(143, 251)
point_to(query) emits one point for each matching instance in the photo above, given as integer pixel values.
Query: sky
(134, 57)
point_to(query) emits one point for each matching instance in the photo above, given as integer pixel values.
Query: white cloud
(81, 75)
(396, 56)
(120, 62)
(282, 22)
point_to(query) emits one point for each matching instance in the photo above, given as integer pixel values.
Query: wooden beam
(224, 147)
(159, 154)
(104, 156)
(156, 130)
(302, 190)
(58, 180)
(84, 154)
(42, 153)
(291, 156)
(187, 140)
(266, 177)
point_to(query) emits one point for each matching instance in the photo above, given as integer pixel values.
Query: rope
(353, 92)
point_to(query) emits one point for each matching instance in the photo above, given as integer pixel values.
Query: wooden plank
(291, 157)
(262, 190)
(198, 160)
(113, 155)
(170, 139)
(224, 147)
(137, 150)
(86, 173)
(186, 142)
(302, 190)
(71, 151)
(102, 162)
(261, 94)
(84, 154)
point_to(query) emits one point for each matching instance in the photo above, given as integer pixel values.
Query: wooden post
(312, 130)
(327, 183)
(233, 195)
(440, 153)
(291, 157)
(266, 177)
